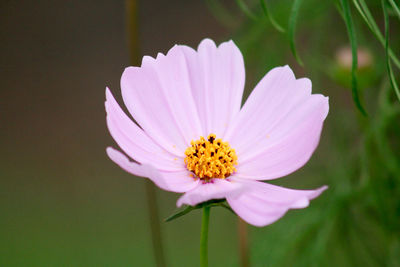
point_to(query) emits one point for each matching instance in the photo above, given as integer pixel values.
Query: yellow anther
(211, 158)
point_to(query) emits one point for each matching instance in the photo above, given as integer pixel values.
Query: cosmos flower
(192, 136)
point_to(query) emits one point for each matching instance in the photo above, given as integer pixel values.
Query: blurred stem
(395, 8)
(133, 31)
(204, 237)
(243, 243)
(134, 59)
(155, 224)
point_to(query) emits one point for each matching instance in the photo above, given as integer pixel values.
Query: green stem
(204, 237)
(155, 226)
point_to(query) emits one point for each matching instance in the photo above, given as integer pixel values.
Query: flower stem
(204, 237)
(243, 243)
(154, 219)
(132, 25)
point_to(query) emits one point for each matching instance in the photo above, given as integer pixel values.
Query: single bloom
(192, 135)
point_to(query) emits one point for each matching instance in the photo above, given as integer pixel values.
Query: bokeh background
(64, 203)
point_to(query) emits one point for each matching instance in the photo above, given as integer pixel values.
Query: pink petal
(215, 189)
(286, 155)
(279, 127)
(217, 78)
(261, 204)
(135, 142)
(177, 181)
(159, 98)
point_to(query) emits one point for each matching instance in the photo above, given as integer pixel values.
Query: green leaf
(270, 17)
(291, 29)
(365, 13)
(388, 63)
(187, 209)
(212, 202)
(395, 8)
(339, 8)
(353, 42)
(180, 213)
(245, 9)
(223, 205)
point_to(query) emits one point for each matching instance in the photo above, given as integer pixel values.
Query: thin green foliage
(353, 43)
(365, 13)
(246, 10)
(291, 29)
(212, 203)
(339, 9)
(395, 8)
(270, 17)
(179, 213)
(388, 63)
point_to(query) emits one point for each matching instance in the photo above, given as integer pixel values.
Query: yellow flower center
(210, 158)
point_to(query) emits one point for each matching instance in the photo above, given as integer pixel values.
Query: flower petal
(158, 96)
(286, 155)
(279, 127)
(215, 189)
(261, 204)
(217, 78)
(134, 140)
(177, 181)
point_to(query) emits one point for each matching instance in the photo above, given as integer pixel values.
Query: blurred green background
(64, 203)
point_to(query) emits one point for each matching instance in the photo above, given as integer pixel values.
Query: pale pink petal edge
(258, 207)
(215, 189)
(177, 181)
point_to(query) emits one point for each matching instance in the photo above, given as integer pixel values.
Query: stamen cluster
(210, 158)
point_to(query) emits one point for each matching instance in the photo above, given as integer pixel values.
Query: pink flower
(185, 95)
